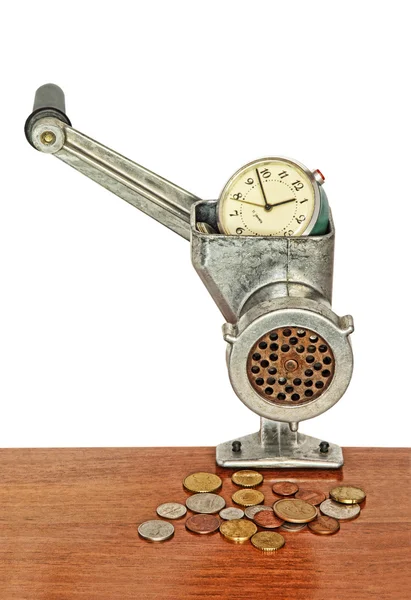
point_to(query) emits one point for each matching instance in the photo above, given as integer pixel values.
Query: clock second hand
(251, 203)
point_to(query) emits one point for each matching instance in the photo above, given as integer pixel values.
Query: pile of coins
(294, 509)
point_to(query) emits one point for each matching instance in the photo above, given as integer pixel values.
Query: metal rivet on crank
(47, 138)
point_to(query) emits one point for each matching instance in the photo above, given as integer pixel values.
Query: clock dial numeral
(265, 173)
(297, 185)
(305, 200)
(234, 214)
(283, 174)
(289, 232)
(249, 181)
(300, 219)
(239, 230)
(237, 196)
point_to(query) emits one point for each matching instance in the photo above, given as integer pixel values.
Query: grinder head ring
(248, 362)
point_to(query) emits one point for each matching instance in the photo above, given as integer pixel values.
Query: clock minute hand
(267, 206)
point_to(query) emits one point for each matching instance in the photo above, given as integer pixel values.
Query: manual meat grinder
(265, 252)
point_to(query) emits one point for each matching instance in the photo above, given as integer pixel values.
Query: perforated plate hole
(290, 366)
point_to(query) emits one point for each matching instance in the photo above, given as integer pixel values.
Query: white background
(107, 335)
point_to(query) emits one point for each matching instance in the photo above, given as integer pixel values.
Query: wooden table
(68, 531)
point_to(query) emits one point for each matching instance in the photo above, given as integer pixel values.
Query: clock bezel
(309, 174)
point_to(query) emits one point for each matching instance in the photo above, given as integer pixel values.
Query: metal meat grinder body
(289, 355)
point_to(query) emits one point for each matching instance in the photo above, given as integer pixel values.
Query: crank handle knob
(49, 102)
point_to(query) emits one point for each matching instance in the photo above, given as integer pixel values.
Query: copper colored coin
(267, 519)
(313, 497)
(285, 488)
(203, 524)
(324, 525)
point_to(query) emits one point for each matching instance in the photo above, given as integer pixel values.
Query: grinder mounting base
(276, 446)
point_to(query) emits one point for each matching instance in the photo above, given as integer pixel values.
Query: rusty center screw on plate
(290, 366)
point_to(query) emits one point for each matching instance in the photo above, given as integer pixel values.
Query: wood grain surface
(68, 530)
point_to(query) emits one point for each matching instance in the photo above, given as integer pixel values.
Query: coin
(156, 530)
(205, 227)
(285, 488)
(205, 503)
(324, 525)
(268, 541)
(238, 530)
(203, 524)
(230, 513)
(347, 494)
(202, 482)
(248, 497)
(247, 478)
(250, 511)
(295, 511)
(313, 497)
(268, 520)
(342, 512)
(293, 526)
(171, 510)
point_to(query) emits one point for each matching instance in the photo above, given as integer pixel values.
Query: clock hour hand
(282, 202)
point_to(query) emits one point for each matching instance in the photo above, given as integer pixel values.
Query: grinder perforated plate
(290, 366)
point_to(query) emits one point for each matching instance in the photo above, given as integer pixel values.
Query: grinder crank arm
(49, 130)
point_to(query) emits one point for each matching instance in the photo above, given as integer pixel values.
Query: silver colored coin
(339, 511)
(230, 513)
(156, 530)
(206, 504)
(293, 526)
(251, 511)
(171, 510)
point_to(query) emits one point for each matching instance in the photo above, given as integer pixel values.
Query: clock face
(271, 197)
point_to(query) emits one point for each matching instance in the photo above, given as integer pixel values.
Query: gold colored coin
(347, 494)
(201, 483)
(248, 497)
(295, 511)
(238, 530)
(268, 541)
(247, 478)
